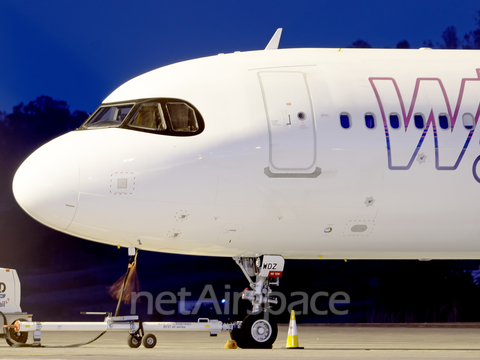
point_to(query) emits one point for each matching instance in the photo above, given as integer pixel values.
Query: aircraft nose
(46, 186)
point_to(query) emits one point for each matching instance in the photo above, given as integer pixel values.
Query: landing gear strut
(258, 330)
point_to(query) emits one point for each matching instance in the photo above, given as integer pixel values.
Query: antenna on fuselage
(275, 40)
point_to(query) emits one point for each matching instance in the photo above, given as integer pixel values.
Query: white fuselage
(274, 171)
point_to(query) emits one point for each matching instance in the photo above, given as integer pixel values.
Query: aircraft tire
(258, 332)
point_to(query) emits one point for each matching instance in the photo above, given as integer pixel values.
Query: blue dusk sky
(81, 50)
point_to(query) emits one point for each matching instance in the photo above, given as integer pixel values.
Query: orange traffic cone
(292, 340)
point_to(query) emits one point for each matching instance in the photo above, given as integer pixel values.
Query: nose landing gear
(259, 329)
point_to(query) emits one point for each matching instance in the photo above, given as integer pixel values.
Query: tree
(471, 40)
(403, 45)
(428, 44)
(42, 120)
(476, 32)
(450, 39)
(361, 44)
(27, 128)
(468, 41)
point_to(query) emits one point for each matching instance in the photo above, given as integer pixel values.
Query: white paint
(10, 292)
(218, 177)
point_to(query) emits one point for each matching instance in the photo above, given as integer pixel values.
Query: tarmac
(319, 342)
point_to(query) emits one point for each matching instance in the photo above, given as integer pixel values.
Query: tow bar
(138, 330)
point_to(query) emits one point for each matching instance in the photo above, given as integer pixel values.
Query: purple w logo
(429, 98)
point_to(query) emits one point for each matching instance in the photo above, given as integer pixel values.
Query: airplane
(275, 154)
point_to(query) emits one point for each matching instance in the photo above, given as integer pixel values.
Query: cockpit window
(149, 116)
(162, 116)
(182, 117)
(109, 116)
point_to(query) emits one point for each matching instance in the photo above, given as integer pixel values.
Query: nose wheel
(258, 331)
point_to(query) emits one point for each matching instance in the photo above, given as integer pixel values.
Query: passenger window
(345, 121)
(468, 121)
(419, 121)
(444, 121)
(370, 121)
(149, 116)
(182, 117)
(394, 121)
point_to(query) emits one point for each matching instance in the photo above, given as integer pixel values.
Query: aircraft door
(291, 125)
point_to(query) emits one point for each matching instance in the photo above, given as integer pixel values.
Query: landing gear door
(272, 266)
(291, 124)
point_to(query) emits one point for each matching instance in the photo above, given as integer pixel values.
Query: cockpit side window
(109, 116)
(182, 117)
(149, 116)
